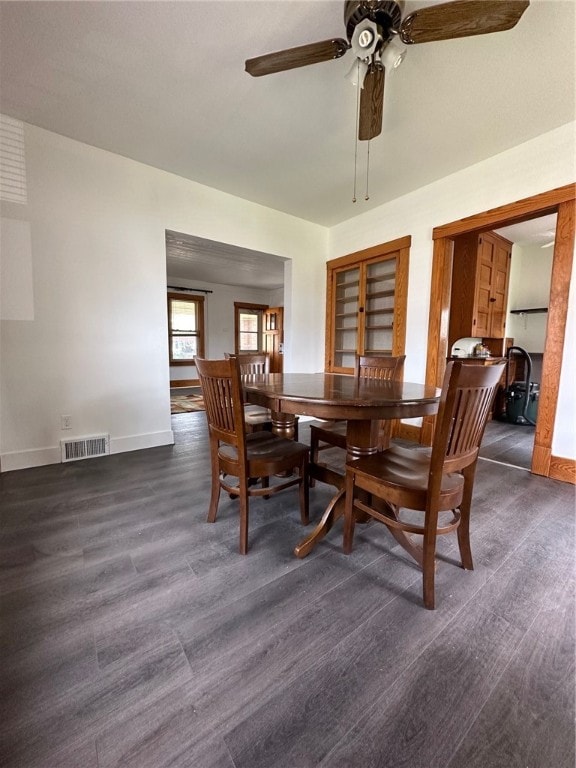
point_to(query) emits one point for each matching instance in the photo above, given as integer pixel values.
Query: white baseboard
(40, 457)
(138, 442)
(36, 457)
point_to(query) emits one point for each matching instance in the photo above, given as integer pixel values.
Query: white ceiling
(190, 257)
(540, 231)
(164, 83)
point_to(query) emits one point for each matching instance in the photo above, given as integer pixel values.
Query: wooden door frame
(560, 201)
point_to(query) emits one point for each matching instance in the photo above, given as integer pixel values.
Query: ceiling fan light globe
(365, 38)
(393, 54)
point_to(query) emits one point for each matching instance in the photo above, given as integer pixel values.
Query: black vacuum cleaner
(520, 397)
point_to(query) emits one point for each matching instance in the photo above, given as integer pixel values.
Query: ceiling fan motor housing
(386, 13)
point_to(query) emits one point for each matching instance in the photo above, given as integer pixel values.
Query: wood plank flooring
(132, 633)
(508, 443)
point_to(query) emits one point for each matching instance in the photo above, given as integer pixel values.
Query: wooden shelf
(380, 294)
(533, 311)
(381, 278)
(380, 311)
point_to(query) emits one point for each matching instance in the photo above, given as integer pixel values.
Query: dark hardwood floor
(508, 443)
(132, 633)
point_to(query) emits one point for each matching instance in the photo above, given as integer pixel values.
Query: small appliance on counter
(465, 347)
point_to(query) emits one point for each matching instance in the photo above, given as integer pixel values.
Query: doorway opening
(500, 293)
(559, 201)
(224, 275)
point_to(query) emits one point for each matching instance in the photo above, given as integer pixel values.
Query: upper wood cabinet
(480, 274)
(366, 300)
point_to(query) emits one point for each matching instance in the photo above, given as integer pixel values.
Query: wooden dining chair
(236, 454)
(431, 481)
(252, 362)
(333, 434)
(256, 417)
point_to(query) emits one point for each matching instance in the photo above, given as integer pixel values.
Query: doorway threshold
(504, 463)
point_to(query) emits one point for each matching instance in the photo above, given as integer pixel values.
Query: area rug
(186, 403)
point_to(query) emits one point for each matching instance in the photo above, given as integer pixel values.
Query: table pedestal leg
(334, 510)
(283, 424)
(362, 440)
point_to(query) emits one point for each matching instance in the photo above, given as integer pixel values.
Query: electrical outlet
(65, 422)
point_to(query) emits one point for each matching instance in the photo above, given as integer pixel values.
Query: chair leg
(313, 455)
(215, 494)
(349, 519)
(428, 563)
(243, 516)
(303, 493)
(265, 483)
(463, 529)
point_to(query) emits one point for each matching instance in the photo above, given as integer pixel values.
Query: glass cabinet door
(346, 306)
(379, 307)
(366, 298)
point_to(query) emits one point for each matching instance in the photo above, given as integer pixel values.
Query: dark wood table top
(338, 396)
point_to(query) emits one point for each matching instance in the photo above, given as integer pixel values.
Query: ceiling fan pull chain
(358, 87)
(367, 171)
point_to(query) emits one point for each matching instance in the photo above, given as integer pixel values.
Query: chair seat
(331, 432)
(265, 451)
(256, 410)
(257, 418)
(405, 473)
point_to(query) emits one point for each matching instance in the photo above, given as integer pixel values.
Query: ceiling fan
(372, 30)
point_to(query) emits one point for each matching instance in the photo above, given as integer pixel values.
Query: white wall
(530, 274)
(219, 317)
(95, 345)
(528, 169)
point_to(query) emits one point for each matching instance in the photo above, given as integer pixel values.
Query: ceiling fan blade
(300, 56)
(371, 105)
(461, 18)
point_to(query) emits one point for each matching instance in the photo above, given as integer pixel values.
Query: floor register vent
(85, 447)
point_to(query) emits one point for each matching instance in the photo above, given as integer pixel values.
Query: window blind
(12, 161)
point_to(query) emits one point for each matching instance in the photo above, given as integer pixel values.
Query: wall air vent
(85, 447)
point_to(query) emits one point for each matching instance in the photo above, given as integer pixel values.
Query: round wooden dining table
(363, 404)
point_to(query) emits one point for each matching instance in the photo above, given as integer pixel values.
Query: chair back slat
(223, 401)
(467, 396)
(379, 367)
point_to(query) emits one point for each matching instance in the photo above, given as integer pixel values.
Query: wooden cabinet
(366, 304)
(480, 275)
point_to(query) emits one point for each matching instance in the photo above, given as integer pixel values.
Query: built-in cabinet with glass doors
(366, 304)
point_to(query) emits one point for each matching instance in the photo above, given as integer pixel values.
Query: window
(249, 326)
(185, 328)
